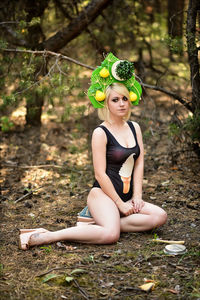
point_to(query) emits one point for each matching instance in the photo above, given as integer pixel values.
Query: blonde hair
(103, 113)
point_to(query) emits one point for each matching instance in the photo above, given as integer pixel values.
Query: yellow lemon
(133, 96)
(100, 96)
(104, 73)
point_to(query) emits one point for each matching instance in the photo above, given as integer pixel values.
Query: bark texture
(193, 11)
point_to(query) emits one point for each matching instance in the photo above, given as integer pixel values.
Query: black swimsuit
(120, 164)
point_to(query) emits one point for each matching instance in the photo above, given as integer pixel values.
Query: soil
(46, 176)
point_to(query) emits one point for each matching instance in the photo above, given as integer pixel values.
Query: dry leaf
(147, 286)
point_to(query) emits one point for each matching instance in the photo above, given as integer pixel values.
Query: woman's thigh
(103, 209)
(151, 209)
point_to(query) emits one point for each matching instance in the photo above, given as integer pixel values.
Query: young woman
(115, 201)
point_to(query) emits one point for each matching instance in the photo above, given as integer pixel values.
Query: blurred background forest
(49, 47)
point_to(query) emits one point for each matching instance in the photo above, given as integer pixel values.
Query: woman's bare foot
(26, 235)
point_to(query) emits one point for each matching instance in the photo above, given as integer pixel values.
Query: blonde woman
(115, 201)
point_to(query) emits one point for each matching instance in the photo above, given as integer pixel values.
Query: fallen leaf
(147, 286)
(49, 277)
(69, 278)
(78, 271)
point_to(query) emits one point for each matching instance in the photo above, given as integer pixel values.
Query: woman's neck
(117, 122)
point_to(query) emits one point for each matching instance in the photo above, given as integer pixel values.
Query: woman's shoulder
(136, 125)
(99, 132)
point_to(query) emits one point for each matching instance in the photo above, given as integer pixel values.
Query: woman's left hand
(138, 204)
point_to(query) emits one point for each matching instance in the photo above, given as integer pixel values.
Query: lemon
(133, 96)
(100, 96)
(104, 73)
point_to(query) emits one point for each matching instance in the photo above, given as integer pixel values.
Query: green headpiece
(113, 70)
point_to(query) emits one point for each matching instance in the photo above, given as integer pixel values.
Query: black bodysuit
(120, 164)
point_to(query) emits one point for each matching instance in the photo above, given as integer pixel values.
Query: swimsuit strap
(133, 130)
(108, 133)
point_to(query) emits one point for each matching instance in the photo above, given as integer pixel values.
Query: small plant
(155, 236)
(174, 130)
(6, 124)
(67, 113)
(192, 125)
(47, 249)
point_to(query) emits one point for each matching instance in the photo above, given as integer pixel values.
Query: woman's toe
(24, 239)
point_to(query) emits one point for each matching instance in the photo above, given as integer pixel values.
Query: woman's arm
(99, 141)
(138, 172)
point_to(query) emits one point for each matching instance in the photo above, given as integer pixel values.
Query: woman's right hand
(126, 208)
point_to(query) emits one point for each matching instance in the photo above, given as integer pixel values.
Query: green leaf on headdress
(93, 88)
(91, 94)
(133, 85)
(97, 79)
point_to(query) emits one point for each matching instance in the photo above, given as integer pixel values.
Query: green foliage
(72, 112)
(47, 249)
(174, 44)
(34, 21)
(174, 130)
(49, 277)
(3, 44)
(8, 100)
(192, 126)
(6, 124)
(67, 113)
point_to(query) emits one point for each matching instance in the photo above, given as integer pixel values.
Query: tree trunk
(34, 109)
(193, 8)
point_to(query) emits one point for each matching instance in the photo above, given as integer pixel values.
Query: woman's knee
(110, 236)
(160, 218)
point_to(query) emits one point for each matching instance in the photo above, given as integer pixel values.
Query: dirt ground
(51, 167)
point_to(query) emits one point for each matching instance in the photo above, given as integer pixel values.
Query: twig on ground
(82, 291)
(168, 242)
(28, 194)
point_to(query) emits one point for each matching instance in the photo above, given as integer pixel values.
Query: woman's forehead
(115, 94)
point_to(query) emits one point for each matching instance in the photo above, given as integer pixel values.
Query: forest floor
(51, 165)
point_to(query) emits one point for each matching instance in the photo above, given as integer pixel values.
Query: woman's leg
(106, 230)
(150, 216)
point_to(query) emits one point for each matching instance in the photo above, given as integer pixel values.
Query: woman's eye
(125, 99)
(115, 99)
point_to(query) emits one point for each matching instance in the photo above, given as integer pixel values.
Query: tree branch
(76, 26)
(185, 102)
(50, 53)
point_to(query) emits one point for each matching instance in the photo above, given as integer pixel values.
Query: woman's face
(118, 104)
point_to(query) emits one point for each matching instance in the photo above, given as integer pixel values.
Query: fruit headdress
(113, 70)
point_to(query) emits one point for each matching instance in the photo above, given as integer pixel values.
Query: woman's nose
(121, 102)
